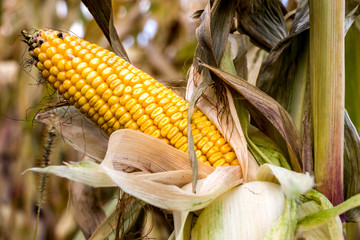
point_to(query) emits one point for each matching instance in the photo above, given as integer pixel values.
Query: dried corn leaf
(351, 166)
(270, 117)
(81, 133)
(263, 21)
(102, 13)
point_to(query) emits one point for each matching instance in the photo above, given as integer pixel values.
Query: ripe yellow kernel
(128, 78)
(164, 122)
(94, 100)
(134, 81)
(101, 122)
(157, 111)
(82, 53)
(131, 125)
(175, 117)
(72, 90)
(111, 78)
(145, 99)
(113, 100)
(123, 73)
(183, 124)
(128, 90)
(105, 108)
(220, 142)
(96, 117)
(134, 108)
(156, 133)
(111, 61)
(119, 90)
(61, 76)
(124, 99)
(57, 84)
(99, 104)
(47, 64)
(45, 46)
(101, 68)
(51, 79)
(91, 112)
(142, 119)
(150, 130)
(54, 71)
(107, 72)
(146, 125)
(219, 162)
(101, 88)
(94, 63)
(37, 51)
(225, 148)
(116, 126)
(203, 124)
(50, 52)
(165, 130)
(85, 108)
(91, 77)
(176, 138)
(61, 89)
(235, 162)
(229, 157)
(114, 108)
(212, 151)
(82, 100)
(90, 93)
(107, 94)
(68, 66)
(62, 48)
(121, 111)
(215, 137)
(197, 137)
(86, 72)
(97, 82)
(57, 58)
(171, 111)
(111, 121)
(61, 65)
(202, 142)
(150, 108)
(173, 131)
(139, 114)
(76, 97)
(130, 104)
(40, 66)
(216, 156)
(81, 67)
(88, 57)
(125, 118)
(80, 84)
(42, 57)
(159, 118)
(203, 159)
(115, 83)
(207, 147)
(198, 153)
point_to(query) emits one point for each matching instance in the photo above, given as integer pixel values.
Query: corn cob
(115, 95)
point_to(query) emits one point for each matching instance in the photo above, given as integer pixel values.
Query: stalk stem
(327, 83)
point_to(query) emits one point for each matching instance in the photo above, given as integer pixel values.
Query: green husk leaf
(292, 183)
(318, 218)
(268, 114)
(263, 21)
(247, 211)
(284, 227)
(102, 13)
(351, 166)
(81, 133)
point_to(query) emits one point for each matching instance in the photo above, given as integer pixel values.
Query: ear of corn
(115, 95)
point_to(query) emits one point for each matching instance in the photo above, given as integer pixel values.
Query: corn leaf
(351, 166)
(269, 116)
(352, 73)
(263, 21)
(102, 12)
(292, 183)
(81, 133)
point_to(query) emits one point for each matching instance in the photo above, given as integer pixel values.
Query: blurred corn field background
(159, 38)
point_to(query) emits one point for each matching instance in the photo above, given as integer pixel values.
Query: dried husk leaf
(164, 196)
(269, 116)
(292, 183)
(247, 211)
(133, 150)
(81, 133)
(263, 21)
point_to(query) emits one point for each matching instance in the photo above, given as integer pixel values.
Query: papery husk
(245, 212)
(81, 133)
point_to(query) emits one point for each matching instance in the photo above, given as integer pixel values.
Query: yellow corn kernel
(202, 158)
(213, 158)
(219, 162)
(229, 157)
(225, 148)
(212, 151)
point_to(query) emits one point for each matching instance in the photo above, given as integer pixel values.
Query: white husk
(248, 211)
(292, 183)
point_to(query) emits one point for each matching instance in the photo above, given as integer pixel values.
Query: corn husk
(248, 211)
